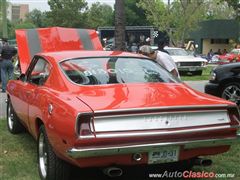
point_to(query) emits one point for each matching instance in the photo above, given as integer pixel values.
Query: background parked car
(187, 62)
(225, 82)
(233, 56)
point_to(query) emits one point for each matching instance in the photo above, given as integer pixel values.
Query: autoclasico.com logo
(191, 174)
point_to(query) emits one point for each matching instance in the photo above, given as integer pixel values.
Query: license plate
(163, 155)
(192, 68)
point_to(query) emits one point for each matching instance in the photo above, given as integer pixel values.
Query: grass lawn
(227, 163)
(205, 75)
(18, 159)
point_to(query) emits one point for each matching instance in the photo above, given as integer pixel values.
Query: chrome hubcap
(231, 93)
(42, 155)
(10, 117)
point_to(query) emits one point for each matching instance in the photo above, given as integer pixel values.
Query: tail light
(84, 125)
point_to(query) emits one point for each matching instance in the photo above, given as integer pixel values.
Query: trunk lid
(125, 96)
(33, 41)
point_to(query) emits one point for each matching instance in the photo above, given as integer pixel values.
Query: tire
(231, 92)
(13, 123)
(50, 167)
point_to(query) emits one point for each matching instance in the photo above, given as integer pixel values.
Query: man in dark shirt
(7, 67)
(161, 45)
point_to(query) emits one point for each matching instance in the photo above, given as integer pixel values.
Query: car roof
(62, 55)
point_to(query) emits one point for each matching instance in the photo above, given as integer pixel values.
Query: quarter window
(40, 72)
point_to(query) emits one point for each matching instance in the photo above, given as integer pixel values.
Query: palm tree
(119, 25)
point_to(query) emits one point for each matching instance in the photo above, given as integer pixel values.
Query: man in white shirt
(161, 58)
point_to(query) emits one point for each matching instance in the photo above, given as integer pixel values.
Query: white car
(186, 62)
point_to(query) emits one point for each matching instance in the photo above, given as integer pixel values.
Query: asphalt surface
(2, 105)
(198, 85)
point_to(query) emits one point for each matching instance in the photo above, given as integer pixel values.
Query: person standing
(161, 58)
(7, 67)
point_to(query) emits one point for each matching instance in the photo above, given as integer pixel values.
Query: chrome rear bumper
(140, 148)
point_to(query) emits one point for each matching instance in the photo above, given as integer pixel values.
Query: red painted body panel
(52, 40)
(24, 54)
(230, 57)
(124, 96)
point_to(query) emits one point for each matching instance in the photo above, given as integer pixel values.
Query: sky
(42, 5)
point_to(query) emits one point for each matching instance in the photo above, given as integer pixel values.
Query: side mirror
(23, 77)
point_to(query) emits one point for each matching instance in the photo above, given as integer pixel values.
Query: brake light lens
(84, 125)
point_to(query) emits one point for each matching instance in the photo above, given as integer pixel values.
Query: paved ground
(198, 85)
(2, 105)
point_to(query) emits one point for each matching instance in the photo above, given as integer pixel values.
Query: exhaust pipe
(202, 162)
(113, 171)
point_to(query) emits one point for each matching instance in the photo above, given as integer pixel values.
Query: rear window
(110, 70)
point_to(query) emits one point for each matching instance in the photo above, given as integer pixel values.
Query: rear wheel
(231, 92)
(14, 126)
(50, 166)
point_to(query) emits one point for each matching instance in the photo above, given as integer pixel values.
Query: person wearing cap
(161, 58)
(7, 67)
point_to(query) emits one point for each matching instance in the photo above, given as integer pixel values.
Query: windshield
(177, 52)
(110, 70)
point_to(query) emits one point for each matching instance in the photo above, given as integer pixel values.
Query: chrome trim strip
(138, 148)
(155, 113)
(76, 125)
(91, 127)
(165, 108)
(155, 133)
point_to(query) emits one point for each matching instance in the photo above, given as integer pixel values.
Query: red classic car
(94, 108)
(233, 56)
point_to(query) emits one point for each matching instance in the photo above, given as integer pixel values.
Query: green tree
(1, 10)
(177, 18)
(219, 9)
(18, 25)
(36, 17)
(135, 16)
(0, 17)
(100, 15)
(235, 4)
(119, 25)
(25, 25)
(70, 13)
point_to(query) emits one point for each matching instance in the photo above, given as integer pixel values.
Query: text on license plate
(163, 155)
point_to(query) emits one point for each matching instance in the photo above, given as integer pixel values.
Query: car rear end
(154, 135)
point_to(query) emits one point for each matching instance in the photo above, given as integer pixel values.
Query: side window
(40, 72)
